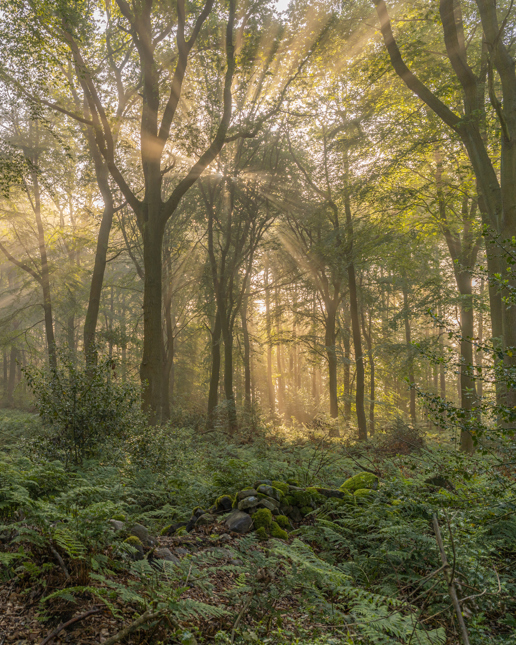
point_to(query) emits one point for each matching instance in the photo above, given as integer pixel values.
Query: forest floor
(365, 573)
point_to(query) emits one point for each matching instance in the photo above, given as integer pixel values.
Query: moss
(278, 532)
(306, 509)
(317, 497)
(261, 533)
(281, 486)
(292, 482)
(301, 498)
(119, 516)
(288, 500)
(283, 521)
(166, 529)
(262, 518)
(224, 503)
(181, 531)
(362, 480)
(133, 541)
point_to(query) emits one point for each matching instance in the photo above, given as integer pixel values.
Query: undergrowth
(365, 573)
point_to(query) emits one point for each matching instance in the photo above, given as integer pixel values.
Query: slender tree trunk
(270, 382)
(355, 322)
(247, 350)
(329, 341)
(279, 357)
(369, 341)
(347, 365)
(213, 396)
(45, 274)
(227, 334)
(12, 376)
(408, 341)
(480, 355)
(467, 383)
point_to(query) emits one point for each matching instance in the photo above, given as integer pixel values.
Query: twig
(64, 625)
(239, 617)
(144, 618)
(450, 582)
(60, 561)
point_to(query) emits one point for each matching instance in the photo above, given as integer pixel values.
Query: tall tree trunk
(247, 350)
(213, 395)
(330, 336)
(12, 376)
(408, 341)
(467, 382)
(369, 340)
(347, 365)
(479, 356)
(270, 382)
(45, 273)
(99, 266)
(151, 368)
(279, 357)
(355, 322)
(227, 334)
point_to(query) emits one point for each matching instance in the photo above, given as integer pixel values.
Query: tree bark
(247, 351)
(213, 395)
(270, 382)
(330, 336)
(408, 341)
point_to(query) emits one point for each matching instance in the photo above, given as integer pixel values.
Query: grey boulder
(239, 522)
(248, 503)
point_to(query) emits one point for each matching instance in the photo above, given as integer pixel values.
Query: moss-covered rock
(270, 491)
(283, 521)
(248, 492)
(181, 531)
(261, 533)
(262, 518)
(205, 519)
(133, 541)
(282, 486)
(360, 481)
(278, 532)
(288, 501)
(267, 482)
(292, 482)
(300, 498)
(305, 510)
(120, 517)
(316, 496)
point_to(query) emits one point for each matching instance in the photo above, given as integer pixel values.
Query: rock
(116, 525)
(225, 538)
(165, 554)
(273, 501)
(142, 534)
(197, 512)
(268, 503)
(136, 543)
(264, 489)
(248, 503)
(330, 492)
(224, 503)
(239, 522)
(205, 519)
(295, 514)
(361, 480)
(249, 492)
(190, 524)
(182, 551)
(267, 482)
(172, 528)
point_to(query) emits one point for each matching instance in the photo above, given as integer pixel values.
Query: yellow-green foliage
(262, 518)
(181, 531)
(165, 529)
(133, 541)
(293, 482)
(362, 480)
(281, 486)
(261, 533)
(283, 521)
(289, 500)
(120, 517)
(278, 532)
(365, 494)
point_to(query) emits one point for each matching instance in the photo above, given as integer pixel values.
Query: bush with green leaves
(82, 408)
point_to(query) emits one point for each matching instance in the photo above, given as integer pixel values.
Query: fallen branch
(72, 620)
(450, 581)
(60, 561)
(144, 618)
